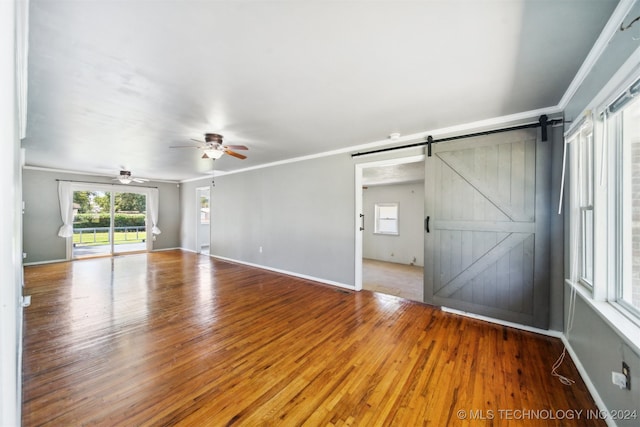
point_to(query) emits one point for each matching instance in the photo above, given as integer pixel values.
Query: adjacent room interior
(320, 213)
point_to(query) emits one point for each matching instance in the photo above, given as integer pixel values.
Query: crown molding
(609, 30)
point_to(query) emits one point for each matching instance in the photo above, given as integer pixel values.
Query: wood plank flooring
(176, 338)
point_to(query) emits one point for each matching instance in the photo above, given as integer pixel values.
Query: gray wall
(598, 347)
(408, 246)
(42, 214)
(602, 351)
(556, 232)
(302, 215)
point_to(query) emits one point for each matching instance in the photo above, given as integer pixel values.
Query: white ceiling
(115, 83)
(393, 174)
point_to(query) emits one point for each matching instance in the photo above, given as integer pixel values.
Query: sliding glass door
(108, 222)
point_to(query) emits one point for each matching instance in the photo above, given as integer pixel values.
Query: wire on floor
(554, 370)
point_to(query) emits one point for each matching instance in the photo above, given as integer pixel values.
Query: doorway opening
(389, 233)
(203, 220)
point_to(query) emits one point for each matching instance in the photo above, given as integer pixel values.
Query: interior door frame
(198, 224)
(359, 221)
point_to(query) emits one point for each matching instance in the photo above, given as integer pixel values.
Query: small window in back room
(386, 218)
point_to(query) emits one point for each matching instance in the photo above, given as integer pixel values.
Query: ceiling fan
(214, 148)
(126, 178)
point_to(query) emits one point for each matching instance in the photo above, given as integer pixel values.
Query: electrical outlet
(619, 379)
(627, 374)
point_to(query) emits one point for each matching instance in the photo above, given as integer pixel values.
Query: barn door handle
(362, 226)
(426, 224)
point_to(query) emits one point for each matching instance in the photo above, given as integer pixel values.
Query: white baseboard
(547, 332)
(53, 261)
(288, 273)
(170, 249)
(585, 377)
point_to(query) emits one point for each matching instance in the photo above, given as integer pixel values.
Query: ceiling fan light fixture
(213, 154)
(124, 180)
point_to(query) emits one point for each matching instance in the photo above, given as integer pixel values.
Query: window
(585, 180)
(582, 145)
(386, 218)
(604, 206)
(627, 135)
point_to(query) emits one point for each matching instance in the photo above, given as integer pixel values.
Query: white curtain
(65, 194)
(153, 210)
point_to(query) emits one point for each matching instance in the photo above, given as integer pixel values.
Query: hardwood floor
(176, 338)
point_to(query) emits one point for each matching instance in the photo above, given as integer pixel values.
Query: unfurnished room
(320, 213)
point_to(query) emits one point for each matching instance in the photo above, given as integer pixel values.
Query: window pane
(586, 170)
(386, 218)
(388, 212)
(586, 225)
(630, 280)
(387, 226)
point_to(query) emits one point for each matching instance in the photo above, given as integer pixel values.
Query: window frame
(603, 297)
(377, 229)
(621, 165)
(585, 148)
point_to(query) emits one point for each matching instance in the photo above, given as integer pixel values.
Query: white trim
(547, 332)
(53, 261)
(171, 249)
(198, 222)
(359, 210)
(73, 172)
(609, 30)
(576, 126)
(11, 317)
(22, 55)
(511, 119)
(209, 175)
(288, 273)
(359, 168)
(621, 79)
(619, 83)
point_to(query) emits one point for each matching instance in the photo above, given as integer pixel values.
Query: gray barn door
(487, 202)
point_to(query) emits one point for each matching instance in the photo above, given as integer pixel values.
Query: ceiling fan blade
(140, 179)
(237, 147)
(204, 156)
(234, 154)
